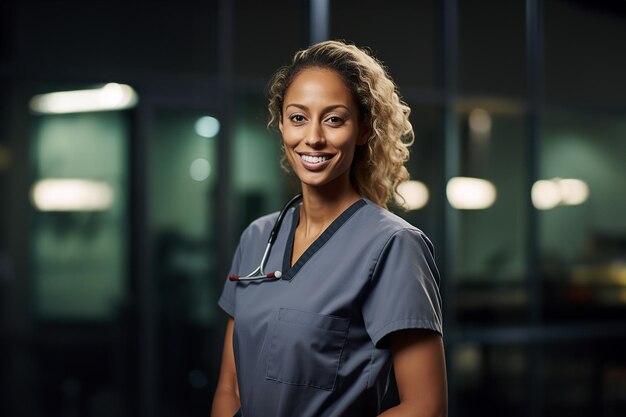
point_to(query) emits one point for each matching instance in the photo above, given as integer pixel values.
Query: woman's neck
(321, 207)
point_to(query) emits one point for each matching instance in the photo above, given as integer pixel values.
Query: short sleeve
(404, 291)
(227, 299)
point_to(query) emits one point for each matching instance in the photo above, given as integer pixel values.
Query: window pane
(401, 34)
(259, 183)
(584, 59)
(582, 222)
(120, 38)
(490, 380)
(267, 34)
(182, 180)
(492, 47)
(425, 166)
(586, 378)
(78, 244)
(490, 265)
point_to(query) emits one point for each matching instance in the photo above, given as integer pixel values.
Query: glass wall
(585, 378)
(582, 227)
(490, 266)
(117, 226)
(491, 380)
(492, 51)
(404, 38)
(78, 262)
(425, 166)
(80, 215)
(259, 185)
(182, 176)
(258, 52)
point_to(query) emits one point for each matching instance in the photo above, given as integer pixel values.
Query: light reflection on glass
(412, 195)
(547, 194)
(112, 96)
(466, 193)
(480, 123)
(200, 169)
(71, 195)
(207, 126)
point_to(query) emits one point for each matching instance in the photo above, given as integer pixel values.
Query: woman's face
(320, 128)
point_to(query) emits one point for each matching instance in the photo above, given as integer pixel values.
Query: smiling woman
(383, 117)
(357, 301)
(321, 128)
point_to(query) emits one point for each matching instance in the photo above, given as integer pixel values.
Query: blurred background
(134, 150)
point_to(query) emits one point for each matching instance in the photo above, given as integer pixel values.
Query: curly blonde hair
(378, 167)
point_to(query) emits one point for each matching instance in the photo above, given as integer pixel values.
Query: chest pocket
(306, 348)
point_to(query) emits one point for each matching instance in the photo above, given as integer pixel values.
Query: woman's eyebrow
(324, 110)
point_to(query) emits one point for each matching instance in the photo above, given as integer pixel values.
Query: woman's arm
(226, 399)
(420, 369)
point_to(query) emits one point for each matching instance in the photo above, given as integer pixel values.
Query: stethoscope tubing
(259, 273)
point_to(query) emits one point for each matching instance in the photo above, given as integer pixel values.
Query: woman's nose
(315, 138)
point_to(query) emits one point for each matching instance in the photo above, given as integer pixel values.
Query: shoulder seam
(384, 246)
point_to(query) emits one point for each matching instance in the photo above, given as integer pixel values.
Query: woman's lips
(315, 162)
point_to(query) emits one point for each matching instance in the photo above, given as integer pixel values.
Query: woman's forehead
(318, 85)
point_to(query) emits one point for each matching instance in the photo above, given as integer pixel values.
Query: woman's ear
(280, 123)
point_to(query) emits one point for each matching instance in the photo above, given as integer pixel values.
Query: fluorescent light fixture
(480, 122)
(466, 193)
(200, 169)
(547, 194)
(573, 191)
(207, 126)
(112, 96)
(412, 195)
(71, 195)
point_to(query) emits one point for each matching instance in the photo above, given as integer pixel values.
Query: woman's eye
(297, 118)
(335, 120)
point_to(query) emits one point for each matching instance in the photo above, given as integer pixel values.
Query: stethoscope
(259, 273)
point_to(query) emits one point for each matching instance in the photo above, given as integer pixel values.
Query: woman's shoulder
(384, 226)
(260, 228)
(383, 220)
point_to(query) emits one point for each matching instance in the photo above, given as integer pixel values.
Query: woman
(354, 299)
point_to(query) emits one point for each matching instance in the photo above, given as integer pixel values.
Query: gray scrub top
(312, 344)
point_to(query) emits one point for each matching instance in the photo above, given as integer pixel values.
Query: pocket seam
(273, 344)
(333, 319)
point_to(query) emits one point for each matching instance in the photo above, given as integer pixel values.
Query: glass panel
(492, 47)
(582, 222)
(259, 183)
(402, 36)
(120, 40)
(585, 66)
(490, 380)
(490, 266)
(259, 51)
(425, 166)
(585, 379)
(84, 376)
(75, 360)
(79, 224)
(182, 178)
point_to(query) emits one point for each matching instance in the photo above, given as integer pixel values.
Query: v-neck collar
(290, 271)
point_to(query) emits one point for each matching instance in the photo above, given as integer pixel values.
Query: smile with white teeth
(315, 159)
